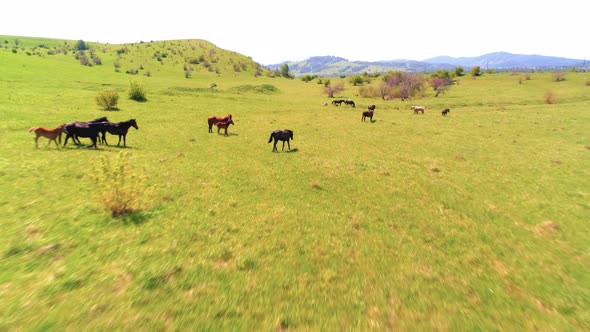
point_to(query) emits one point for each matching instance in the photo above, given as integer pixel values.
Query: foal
(224, 125)
(51, 134)
(445, 112)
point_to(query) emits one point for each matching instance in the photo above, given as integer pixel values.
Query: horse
(120, 129)
(371, 107)
(337, 102)
(367, 114)
(214, 119)
(51, 134)
(82, 129)
(281, 135)
(445, 112)
(224, 125)
(349, 102)
(102, 119)
(417, 109)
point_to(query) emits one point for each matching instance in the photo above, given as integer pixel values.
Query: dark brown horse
(281, 135)
(85, 129)
(214, 119)
(224, 125)
(367, 114)
(445, 112)
(120, 129)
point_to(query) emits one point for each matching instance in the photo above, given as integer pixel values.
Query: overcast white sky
(274, 31)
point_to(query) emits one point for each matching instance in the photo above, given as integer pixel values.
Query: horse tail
(270, 138)
(33, 128)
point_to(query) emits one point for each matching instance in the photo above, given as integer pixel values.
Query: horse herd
(94, 129)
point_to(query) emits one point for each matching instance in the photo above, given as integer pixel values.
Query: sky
(275, 31)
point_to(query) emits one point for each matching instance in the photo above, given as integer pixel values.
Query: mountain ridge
(499, 61)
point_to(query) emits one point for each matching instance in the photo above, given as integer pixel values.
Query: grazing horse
(371, 107)
(417, 109)
(367, 114)
(51, 134)
(81, 129)
(337, 102)
(281, 135)
(224, 125)
(120, 129)
(214, 119)
(349, 102)
(445, 112)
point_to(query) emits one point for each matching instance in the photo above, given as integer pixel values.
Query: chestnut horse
(281, 135)
(214, 119)
(224, 125)
(51, 134)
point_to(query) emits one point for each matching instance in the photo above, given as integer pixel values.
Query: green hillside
(475, 221)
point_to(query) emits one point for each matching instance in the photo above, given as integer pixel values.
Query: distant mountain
(329, 66)
(504, 60)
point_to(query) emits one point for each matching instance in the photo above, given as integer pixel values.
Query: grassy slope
(356, 228)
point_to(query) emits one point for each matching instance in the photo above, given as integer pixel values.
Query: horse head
(133, 124)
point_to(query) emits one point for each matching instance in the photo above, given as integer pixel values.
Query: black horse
(102, 119)
(337, 102)
(445, 111)
(349, 102)
(119, 129)
(84, 129)
(281, 135)
(371, 107)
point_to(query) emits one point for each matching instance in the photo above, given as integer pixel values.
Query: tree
(81, 45)
(440, 84)
(284, 71)
(459, 71)
(475, 71)
(331, 90)
(356, 80)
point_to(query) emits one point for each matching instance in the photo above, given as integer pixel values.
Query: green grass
(476, 221)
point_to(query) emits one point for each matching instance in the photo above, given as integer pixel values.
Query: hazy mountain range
(499, 61)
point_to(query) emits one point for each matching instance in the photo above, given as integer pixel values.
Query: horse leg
(37, 142)
(226, 131)
(289, 145)
(55, 141)
(283, 148)
(104, 138)
(119, 140)
(274, 146)
(125, 140)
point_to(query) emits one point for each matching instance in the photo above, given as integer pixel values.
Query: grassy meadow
(475, 221)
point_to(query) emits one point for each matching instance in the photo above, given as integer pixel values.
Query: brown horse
(445, 112)
(368, 114)
(214, 119)
(51, 134)
(224, 125)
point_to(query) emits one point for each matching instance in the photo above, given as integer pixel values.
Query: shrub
(108, 99)
(558, 76)
(549, 97)
(136, 91)
(187, 73)
(120, 190)
(81, 45)
(96, 60)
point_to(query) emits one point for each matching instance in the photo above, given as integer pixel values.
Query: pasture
(473, 221)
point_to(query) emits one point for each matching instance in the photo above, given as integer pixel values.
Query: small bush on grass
(136, 91)
(108, 100)
(549, 97)
(120, 189)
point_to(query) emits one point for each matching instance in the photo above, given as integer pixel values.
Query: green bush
(120, 190)
(136, 91)
(108, 99)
